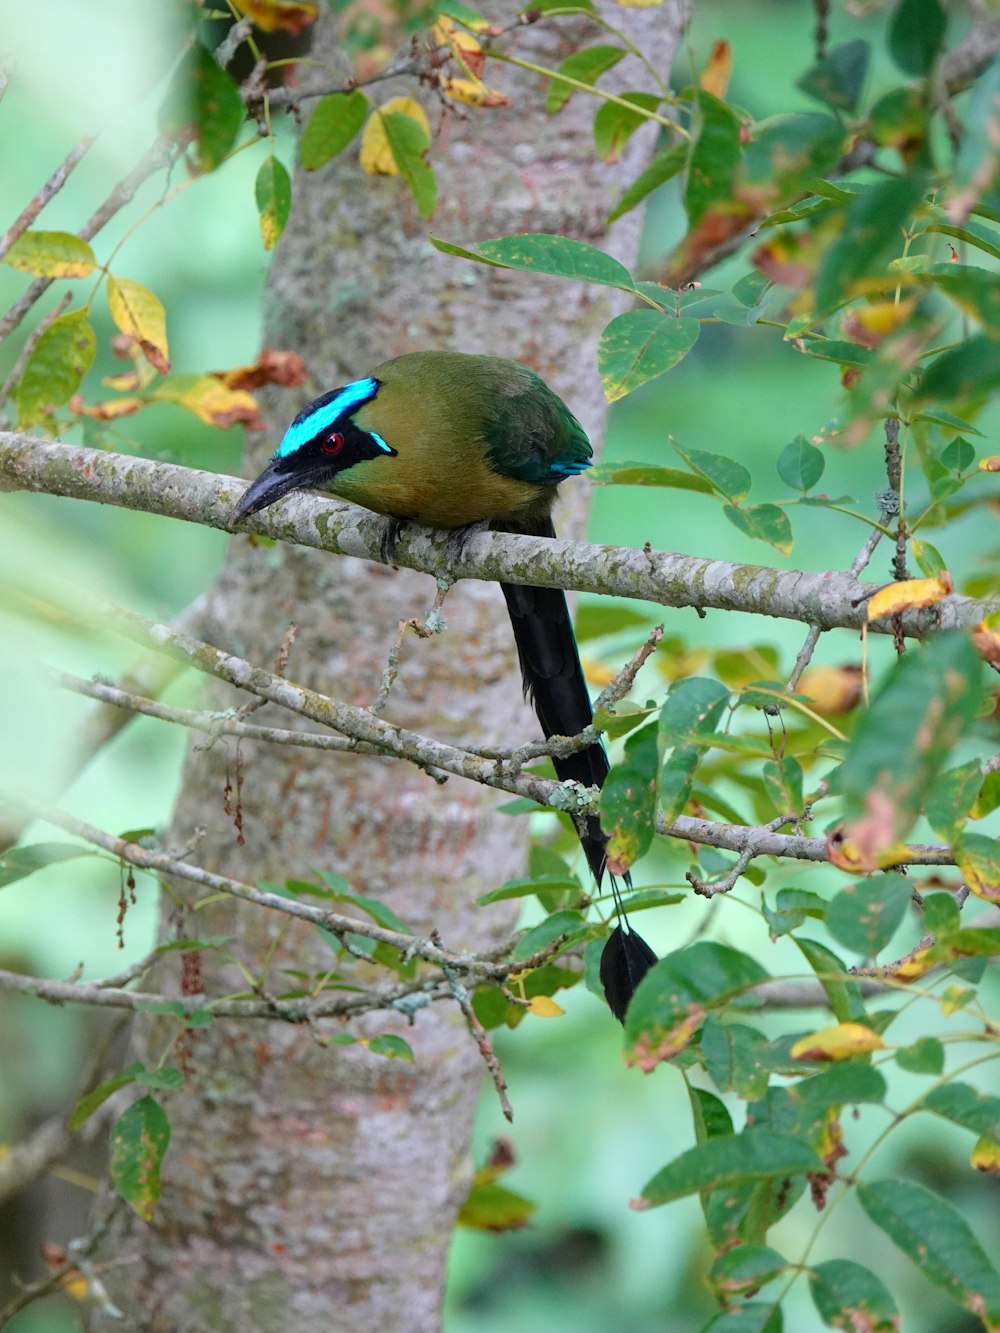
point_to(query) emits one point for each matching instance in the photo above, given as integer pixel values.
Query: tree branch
(828, 600)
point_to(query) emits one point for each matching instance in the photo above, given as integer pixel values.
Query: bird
(459, 441)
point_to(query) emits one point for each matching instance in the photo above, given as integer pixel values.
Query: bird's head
(324, 439)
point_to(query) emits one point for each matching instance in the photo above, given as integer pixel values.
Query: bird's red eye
(333, 443)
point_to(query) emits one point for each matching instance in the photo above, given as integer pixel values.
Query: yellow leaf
(109, 410)
(210, 400)
(140, 315)
(986, 641)
(544, 1007)
(986, 1156)
(376, 155)
(869, 325)
(718, 69)
(839, 1042)
(916, 965)
(473, 93)
(51, 254)
(991, 464)
(290, 16)
(464, 46)
(598, 673)
(909, 594)
(832, 690)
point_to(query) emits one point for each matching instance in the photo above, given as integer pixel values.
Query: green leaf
(615, 124)
(391, 1046)
(527, 888)
(688, 719)
(837, 79)
(735, 1057)
(950, 800)
(639, 345)
(958, 455)
(964, 1105)
(138, 1143)
(273, 191)
(679, 989)
(664, 167)
(89, 1103)
(745, 1269)
(335, 121)
(948, 419)
(51, 254)
(205, 95)
(751, 289)
(865, 916)
(916, 35)
(623, 719)
(628, 800)
(899, 120)
(782, 781)
(791, 908)
(764, 522)
(559, 923)
(61, 358)
(648, 474)
(595, 619)
(558, 256)
(849, 1296)
(963, 373)
(19, 862)
(925, 1056)
(727, 477)
(972, 233)
(374, 907)
(979, 153)
(800, 464)
(711, 1117)
(901, 743)
(939, 1241)
(492, 1207)
(585, 66)
(408, 142)
(872, 236)
(842, 993)
(747, 1317)
(715, 154)
(756, 1154)
(929, 559)
(973, 290)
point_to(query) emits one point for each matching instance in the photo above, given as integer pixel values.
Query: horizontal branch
(825, 599)
(361, 724)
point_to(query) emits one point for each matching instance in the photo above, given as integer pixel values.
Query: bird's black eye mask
(321, 418)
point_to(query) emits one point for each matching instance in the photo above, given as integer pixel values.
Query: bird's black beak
(276, 480)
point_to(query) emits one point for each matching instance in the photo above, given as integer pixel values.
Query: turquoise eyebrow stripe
(317, 416)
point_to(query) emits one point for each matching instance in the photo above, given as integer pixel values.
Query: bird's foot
(392, 529)
(458, 539)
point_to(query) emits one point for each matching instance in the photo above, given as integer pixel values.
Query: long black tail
(554, 683)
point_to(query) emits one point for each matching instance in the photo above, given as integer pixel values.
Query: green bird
(457, 441)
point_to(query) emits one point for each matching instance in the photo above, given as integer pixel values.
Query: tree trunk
(310, 1187)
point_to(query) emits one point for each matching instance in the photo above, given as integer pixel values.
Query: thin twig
(812, 638)
(160, 155)
(48, 191)
(461, 997)
(619, 686)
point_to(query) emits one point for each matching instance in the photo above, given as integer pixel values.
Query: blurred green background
(588, 1133)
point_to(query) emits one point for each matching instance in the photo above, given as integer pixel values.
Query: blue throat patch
(324, 412)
